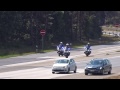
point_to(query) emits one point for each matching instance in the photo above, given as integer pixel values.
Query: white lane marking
(32, 62)
(89, 60)
(36, 73)
(19, 64)
(114, 57)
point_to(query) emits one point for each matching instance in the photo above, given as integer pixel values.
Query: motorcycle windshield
(68, 49)
(85, 48)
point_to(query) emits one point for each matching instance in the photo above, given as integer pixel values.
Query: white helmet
(67, 44)
(61, 42)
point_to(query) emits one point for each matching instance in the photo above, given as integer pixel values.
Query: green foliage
(22, 28)
(112, 17)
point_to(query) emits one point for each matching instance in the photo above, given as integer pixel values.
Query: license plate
(91, 70)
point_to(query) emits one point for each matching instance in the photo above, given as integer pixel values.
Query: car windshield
(96, 62)
(62, 61)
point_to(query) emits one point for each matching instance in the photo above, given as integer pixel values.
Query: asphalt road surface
(38, 66)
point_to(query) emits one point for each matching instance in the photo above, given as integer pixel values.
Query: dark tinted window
(72, 60)
(96, 62)
(105, 62)
(108, 62)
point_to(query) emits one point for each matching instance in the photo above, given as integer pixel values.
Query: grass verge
(6, 53)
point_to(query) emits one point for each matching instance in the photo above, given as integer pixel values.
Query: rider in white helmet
(88, 46)
(60, 45)
(67, 47)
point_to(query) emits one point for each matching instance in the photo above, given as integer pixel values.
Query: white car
(64, 65)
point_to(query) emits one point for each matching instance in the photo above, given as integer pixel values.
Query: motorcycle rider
(60, 45)
(88, 46)
(67, 48)
(60, 48)
(87, 49)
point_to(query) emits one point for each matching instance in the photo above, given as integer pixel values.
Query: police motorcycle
(60, 51)
(66, 52)
(87, 51)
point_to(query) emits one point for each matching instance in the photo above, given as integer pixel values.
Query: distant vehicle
(64, 65)
(66, 53)
(117, 25)
(98, 65)
(60, 52)
(87, 52)
(116, 35)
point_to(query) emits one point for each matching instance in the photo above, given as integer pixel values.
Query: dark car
(98, 65)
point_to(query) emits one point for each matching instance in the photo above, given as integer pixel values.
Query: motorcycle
(67, 53)
(60, 52)
(87, 52)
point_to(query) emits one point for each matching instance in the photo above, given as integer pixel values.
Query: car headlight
(100, 67)
(85, 67)
(64, 66)
(53, 67)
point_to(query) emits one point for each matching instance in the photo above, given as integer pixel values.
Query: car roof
(98, 59)
(64, 58)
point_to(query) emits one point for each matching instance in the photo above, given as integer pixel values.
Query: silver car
(64, 65)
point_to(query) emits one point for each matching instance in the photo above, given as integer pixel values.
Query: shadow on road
(91, 56)
(101, 75)
(66, 73)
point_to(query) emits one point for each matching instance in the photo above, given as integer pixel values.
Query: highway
(38, 66)
(116, 70)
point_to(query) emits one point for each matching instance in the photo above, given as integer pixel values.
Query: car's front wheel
(68, 70)
(86, 73)
(109, 71)
(103, 71)
(53, 72)
(75, 70)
